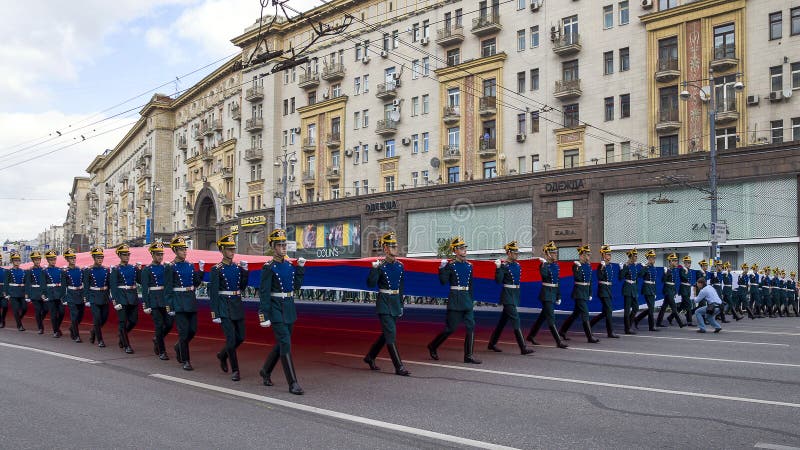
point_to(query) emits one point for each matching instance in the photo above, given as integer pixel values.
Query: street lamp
(153, 190)
(284, 160)
(709, 97)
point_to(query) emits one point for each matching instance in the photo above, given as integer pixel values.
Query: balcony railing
(486, 24)
(309, 145)
(724, 57)
(333, 140)
(566, 89)
(253, 94)
(726, 110)
(333, 174)
(451, 154)
(226, 198)
(487, 105)
(567, 44)
(487, 147)
(226, 172)
(308, 80)
(236, 112)
(450, 35)
(386, 126)
(254, 154)
(182, 143)
(667, 69)
(308, 177)
(188, 186)
(450, 114)
(386, 91)
(668, 119)
(333, 72)
(254, 124)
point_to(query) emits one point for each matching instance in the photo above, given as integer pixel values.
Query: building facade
(77, 232)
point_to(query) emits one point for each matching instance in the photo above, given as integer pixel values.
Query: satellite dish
(787, 93)
(704, 96)
(435, 162)
(394, 115)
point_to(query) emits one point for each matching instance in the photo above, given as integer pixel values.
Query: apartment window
(668, 104)
(415, 32)
(608, 108)
(724, 44)
(569, 25)
(571, 116)
(776, 78)
(358, 52)
(777, 131)
(521, 126)
(453, 174)
(624, 105)
(520, 82)
(414, 179)
(521, 41)
(336, 90)
(286, 107)
(356, 119)
(365, 83)
(667, 4)
(312, 97)
(388, 145)
(521, 4)
(426, 28)
(292, 137)
(725, 94)
(386, 41)
(365, 157)
(356, 154)
(795, 75)
(357, 86)
(453, 96)
(534, 79)
(569, 70)
(609, 153)
(395, 39)
(489, 47)
(426, 142)
(388, 183)
(624, 59)
(285, 138)
(365, 118)
(453, 137)
(794, 15)
(489, 170)
(726, 138)
(608, 17)
(608, 63)
(668, 145)
(534, 121)
(292, 105)
(356, 187)
(334, 191)
(311, 132)
(571, 158)
(534, 36)
(796, 128)
(490, 87)
(335, 158)
(775, 25)
(426, 66)
(426, 104)
(414, 144)
(668, 53)
(521, 164)
(535, 162)
(624, 13)
(453, 57)
(625, 150)
(425, 177)
(414, 106)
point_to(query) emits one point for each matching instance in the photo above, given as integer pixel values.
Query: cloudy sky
(75, 68)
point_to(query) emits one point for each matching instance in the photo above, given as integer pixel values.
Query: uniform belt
(276, 294)
(75, 288)
(35, 285)
(95, 288)
(459, 288)
(186, 289)
(607, 283)
(156, 288)
(630, 281)
(511, 286)
(389, 291)
(686, 284)
(227, 292)
(669, 283)
(16, 285)
(715, 284)
(53, 284)
(649, 282)
(581, 283)
(550, 285)
(126, 287)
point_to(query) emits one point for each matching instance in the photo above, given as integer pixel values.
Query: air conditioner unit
(297, 130)
(406, 141)
(775, 96)
(535, 5)
(553, 33)
(280, 180)
(396, 76)
(326, 94)
(396, 102)
(384, 54)
(424, 41)
(521, 138)
(365, 59)
(297, 192)
(291, 178)
(335, 171)
(348, 153)
(753, 99)
(378, 146)
(647, 4)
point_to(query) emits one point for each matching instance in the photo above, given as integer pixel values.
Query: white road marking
(335, 414)
(46, 352)
(705, 340)
(776, 333)
(774, 446)
(696, 358)
(591, 383)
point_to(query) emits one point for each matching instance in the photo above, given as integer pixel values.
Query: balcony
(147, 195)
(308, 178)
(667, 69)
(334, 140)
(210, 127)
(450, 114)
(486, 24)
(668, 120)
(308, 80)
(386, 127)
(386, 91)
(254, 154)
(188, 186)
(333, 72)
(182, 143)
(217, 125)
(254, 124)
(726, 111)
(226, 199)
(309, 145)
(567, 89)
(197, 135)
(226, 172)
(206, 155)
(567, 45)
(332, 174)
(189, 209)
(254, 94)
(236, 112)
(146, 153)
(724, 58)
(487, 105)
(487, 148)
(448, 36)
(451, 154)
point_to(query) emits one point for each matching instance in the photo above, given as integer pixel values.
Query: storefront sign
(334, 239)
(234, 229)
(389, 205)
(568, 185)
(253, 221)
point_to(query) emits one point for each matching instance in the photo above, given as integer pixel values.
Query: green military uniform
(581, 295)
(606, 275)
(549, 294)
(672, 275)
(509, 275)
(629, 275)
(685, 290)
(649, 291)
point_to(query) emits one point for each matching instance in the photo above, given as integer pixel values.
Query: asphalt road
(671, 389)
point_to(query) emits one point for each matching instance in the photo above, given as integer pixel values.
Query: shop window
(564, 209)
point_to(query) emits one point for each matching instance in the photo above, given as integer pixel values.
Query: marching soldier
(279, 280)
(3, 295)
(606, 275)
(73, 277)
(15, 290)
(672, 275)
(703, 271)
(387, 276)
(35, 291)
(727, 292)
(56, 289)
(791, 289)
(227, 280)
(743, 291)
(509, 274)
(765, 285)
(96, 292)
(458, 275)
(755, 291)
(154, 302)
(783, 308)
(180, 282)
(715, 277)
(685, 290)
(581, 294)
(549, 294)
(124, 297)
(649, 273)
(630, 274)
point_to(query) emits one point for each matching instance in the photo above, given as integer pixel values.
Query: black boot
(565, 326)
(434, 345)
(627, 321)
(92, 336)
(556, 337)
(523, 349)
(373, 352)
(269, 365)
(638, 318)
(223, 360)
(235, 376)
(587, 329)
(399, 369)
(155, 347)
(127, 342)
(494, 338)
(178, 353)
(291, 376)
(469, 346)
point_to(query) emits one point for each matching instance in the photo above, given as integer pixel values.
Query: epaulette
(219, 265)
(603, 263)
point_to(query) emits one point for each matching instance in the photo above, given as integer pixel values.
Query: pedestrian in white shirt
(709, 299)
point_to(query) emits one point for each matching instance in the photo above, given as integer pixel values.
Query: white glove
(301, 261)
(443, 263)
(27, 300)
(64, 303)
(265, 324)
(558, 302)
(590, 298)
(87, 304)
(666, 270)
(542, 260)
(497, 263)
(376, 264)
(201, 264)
(117, 307)
(45, 299)
(243, 264)
(171, 313)
(603, 263)
(148, 310)
(217, 320)
(138, 264)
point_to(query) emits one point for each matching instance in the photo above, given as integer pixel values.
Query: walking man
(508, 273)
(549, 294)
(56, 289)
(154, 302)
(227, 281)
(75, 295)
(672, 275)
(180, 282)
(96, 293)
(630, 274)
(607, 274)
(15, 289)
(122, 281)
